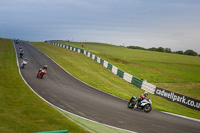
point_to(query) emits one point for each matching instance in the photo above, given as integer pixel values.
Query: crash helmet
(25, 59)
(146, 94)
(45, 67)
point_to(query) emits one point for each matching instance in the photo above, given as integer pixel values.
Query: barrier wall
(144, 85)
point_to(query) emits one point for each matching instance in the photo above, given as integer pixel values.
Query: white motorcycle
(24, 62)
(145, 104)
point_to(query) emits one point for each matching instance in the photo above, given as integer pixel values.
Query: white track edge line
(181, 116)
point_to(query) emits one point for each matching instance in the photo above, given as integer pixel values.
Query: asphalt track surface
(63, 90)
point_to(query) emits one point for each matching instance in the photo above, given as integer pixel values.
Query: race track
(63, 90)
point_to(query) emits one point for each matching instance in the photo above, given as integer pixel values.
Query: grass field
(178, 73)
(94, 74)
(21, 111)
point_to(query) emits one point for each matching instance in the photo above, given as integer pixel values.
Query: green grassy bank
(21, 111)
(178, 73)
(94, 74)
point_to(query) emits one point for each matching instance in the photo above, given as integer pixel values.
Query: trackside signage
(178, 98)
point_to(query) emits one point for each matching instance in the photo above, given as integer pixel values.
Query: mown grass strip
(91, 126)
(21, 111)
(94, 74)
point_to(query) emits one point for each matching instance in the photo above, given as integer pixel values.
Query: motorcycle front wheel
(130, 105)
(147, 108)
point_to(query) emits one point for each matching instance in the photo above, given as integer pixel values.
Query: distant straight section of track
(64, 91)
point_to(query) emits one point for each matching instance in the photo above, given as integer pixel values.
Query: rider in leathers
(142, 97)
(43, 68)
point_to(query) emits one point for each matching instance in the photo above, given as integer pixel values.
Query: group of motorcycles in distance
(133, 103)
(41, 72)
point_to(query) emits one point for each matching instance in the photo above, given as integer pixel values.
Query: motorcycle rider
(142, 97)
(45, 67)
(21, 53)
(20, 47)
(24, 62)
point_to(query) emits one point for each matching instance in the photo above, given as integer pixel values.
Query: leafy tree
(161, 49)
(152, 49)
(179, 52)
(136, 47)
(190, 52)
(168, 50)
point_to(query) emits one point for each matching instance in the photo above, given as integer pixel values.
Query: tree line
(167, 50)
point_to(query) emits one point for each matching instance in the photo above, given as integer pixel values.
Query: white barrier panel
(67, 47)
(74, 49)
(148, 87)
(114, 70)
(93, 57)
(105, 64)
(88, 54)
(127, 77)
(63, 46)
(98, 59)
(84, 52)
(79, 51)
(70, 48)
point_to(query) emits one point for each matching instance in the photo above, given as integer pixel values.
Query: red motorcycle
(41, 73)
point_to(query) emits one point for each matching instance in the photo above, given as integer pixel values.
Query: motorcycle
(24, 62)
(21, 53)
(17, 41)
(41, 73)
(145, 104)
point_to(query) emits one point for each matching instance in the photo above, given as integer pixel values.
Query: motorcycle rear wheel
(147, 108)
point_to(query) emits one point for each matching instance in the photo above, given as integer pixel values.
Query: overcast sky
(171, 24)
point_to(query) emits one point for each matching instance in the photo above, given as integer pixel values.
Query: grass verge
(91, 126)
(22, 111)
